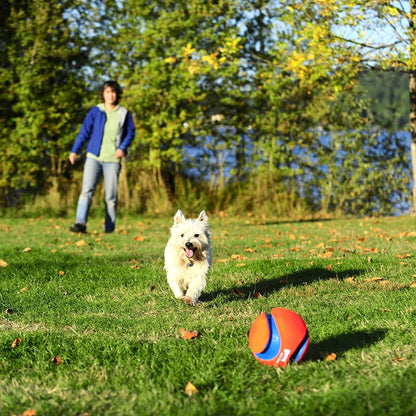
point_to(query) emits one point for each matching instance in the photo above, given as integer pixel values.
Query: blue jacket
(92, 129)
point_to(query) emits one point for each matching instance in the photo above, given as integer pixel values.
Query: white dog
(188, 256)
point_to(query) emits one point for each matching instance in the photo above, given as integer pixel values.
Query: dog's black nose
(189, 245)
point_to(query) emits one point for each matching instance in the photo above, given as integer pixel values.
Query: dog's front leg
(196, 286)
(176, 289)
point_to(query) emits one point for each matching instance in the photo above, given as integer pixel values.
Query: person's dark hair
(115, 87)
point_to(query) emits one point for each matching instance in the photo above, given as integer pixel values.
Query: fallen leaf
(329, 267)
(235, 291)
(257, 295)
(349, 279)
(237, 257)
(23, 290)
(27, 249)
(250, 250)
(185, 334)
(403, 256)
(3, 263)
(331, 357)
(139, 238)
(29, 412)
(8, 311)
(190, 389)
(326, 255)
(240, 264)
(221, 260)
(374, 279)
(16, 342)
(397, 359)
(80, 243)
(61, 273)
(153, 287)
(57, 360)
(413, 284)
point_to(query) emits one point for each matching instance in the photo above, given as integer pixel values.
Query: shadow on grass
(342, 343)
(266, 287)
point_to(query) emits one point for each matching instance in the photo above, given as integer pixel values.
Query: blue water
(213, 158)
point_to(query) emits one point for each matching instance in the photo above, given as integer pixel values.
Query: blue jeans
(93, 170)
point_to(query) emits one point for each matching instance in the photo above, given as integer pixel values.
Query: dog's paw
(189, 301)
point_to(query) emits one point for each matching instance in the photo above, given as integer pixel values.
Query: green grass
(104, 308)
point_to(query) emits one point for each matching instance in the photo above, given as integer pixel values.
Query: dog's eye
(196, 235)
(182, 235)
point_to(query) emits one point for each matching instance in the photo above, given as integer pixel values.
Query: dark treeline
(280, 124)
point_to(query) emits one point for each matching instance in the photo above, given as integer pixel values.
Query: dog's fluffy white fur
(188, 256)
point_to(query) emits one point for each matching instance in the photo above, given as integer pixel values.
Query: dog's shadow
(342, 343)
(267, 286)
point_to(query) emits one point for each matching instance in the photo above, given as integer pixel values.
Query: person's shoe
(78, 228)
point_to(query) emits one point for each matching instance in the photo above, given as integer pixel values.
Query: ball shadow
(342, 343)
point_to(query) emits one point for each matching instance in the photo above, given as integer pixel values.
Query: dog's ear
(203, 216)
(179, 217)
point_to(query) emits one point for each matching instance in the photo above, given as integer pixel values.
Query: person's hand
(72, 158)
(119, 153)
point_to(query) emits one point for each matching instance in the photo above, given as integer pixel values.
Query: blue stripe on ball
(272, 348)
(298, 354)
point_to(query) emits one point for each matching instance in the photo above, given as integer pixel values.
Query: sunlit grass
(101, 304)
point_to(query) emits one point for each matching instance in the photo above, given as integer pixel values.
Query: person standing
(108, 130)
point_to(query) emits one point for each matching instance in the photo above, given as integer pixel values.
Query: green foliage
(254, 83)
(101, 304)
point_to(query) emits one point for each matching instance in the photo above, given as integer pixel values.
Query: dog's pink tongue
(189, 253)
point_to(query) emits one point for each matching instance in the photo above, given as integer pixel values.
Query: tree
(44, 58)
(383, 35)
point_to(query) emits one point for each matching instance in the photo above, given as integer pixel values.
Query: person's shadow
(267, 286)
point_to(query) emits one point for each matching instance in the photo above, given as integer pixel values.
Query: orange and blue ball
(279, 337)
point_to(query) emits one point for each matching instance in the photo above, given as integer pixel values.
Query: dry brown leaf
(153, 287)
(329, 267)
(235, 291)
(27, 249)
(23, 290)
(374, 279)
(139, 238)
(185, 334)
(61, 273)
(413, 284)
(403, 256)
(326, 255)
(80, 243)
(240, 264)
(349, 279)
(250, 250)
(16, 342)
(221, 260)
(237, 257)
(397, 359)
(190, 389)
(8, 311)
(29, 412)
(331, 357)
(3, 263)
(257, 295)
(295, 248)
(57, 360)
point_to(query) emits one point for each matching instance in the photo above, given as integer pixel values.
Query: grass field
(100, 331)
